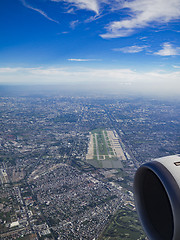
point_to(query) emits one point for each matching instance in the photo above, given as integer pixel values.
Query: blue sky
(134, 43)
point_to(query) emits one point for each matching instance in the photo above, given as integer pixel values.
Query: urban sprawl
(67, 163)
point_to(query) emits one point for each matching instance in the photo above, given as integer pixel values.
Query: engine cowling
(157, 197)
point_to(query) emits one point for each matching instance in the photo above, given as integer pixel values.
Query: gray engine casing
(157, 197)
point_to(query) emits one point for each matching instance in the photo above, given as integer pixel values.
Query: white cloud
(64, 75)
(73, 24)
(175, 66)
(130, 49)
(38, 10)
(9, 70)
(168, 50)
(92, 5)
(82, 60)
(142, 14)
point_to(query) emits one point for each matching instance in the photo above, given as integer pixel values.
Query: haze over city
(112, 45)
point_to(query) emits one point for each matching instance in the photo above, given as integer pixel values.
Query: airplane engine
(157, 197)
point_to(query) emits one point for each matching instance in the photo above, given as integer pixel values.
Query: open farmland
(105, 150)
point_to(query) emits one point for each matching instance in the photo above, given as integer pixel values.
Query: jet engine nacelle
(157, 197)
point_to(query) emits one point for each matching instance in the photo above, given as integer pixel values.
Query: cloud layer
(111, 80)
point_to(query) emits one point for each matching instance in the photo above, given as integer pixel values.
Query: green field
(123, 225)
(103, 154)
(102, 145)
(103, 150)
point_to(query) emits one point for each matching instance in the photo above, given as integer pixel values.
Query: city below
(67, 163)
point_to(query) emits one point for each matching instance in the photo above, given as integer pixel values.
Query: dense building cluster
(48, 189)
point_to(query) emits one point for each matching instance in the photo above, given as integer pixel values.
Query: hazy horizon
(77, 90)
